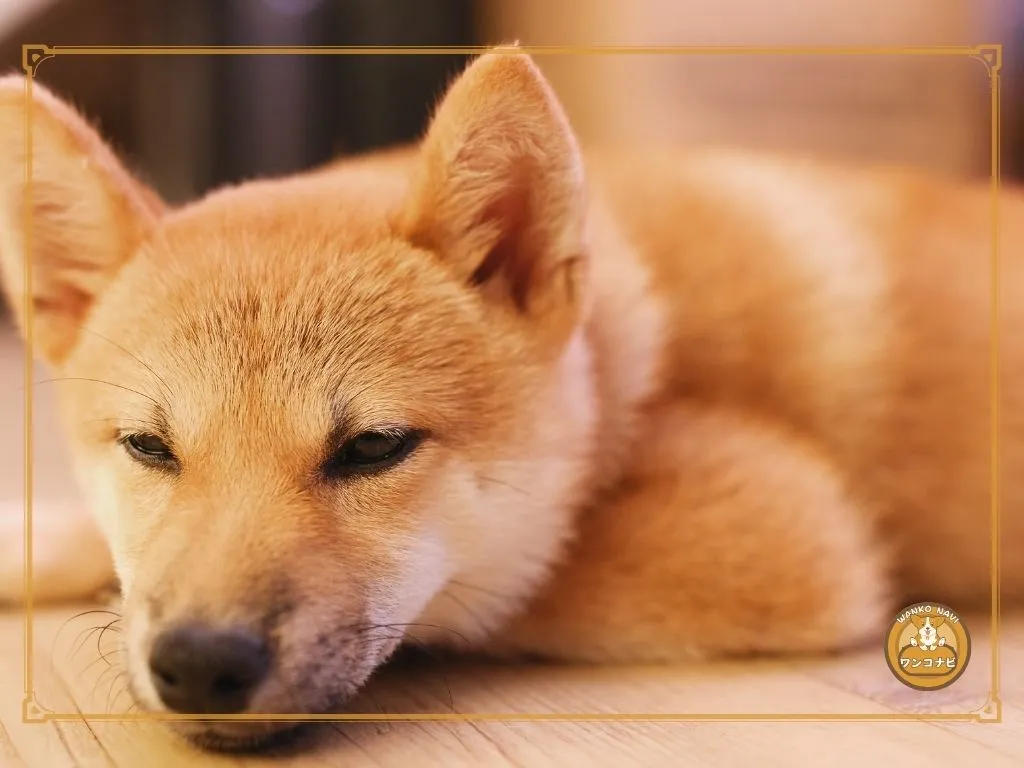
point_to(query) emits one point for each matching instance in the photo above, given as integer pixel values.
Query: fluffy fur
(676, 404)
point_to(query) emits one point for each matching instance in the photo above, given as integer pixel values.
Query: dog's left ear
(79, 220)
(500, 191)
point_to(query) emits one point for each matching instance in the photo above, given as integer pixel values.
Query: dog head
(319, 415)
(926, 628)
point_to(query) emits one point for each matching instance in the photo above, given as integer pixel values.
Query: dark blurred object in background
(1013, 97)
(327, 105)
(191, 123)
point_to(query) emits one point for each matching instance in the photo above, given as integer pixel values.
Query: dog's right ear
(917, 621)
(84, 218)
(500, 193)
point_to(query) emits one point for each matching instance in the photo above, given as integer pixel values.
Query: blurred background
(189, 123)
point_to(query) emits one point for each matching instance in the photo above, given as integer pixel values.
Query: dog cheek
(136, 641)
(102, 489)
(420, 570)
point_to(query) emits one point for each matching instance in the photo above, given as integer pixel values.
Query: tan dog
(927, 635)
(646, 407)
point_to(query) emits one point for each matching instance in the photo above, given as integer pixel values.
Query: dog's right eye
(148, 449)
(372, 451)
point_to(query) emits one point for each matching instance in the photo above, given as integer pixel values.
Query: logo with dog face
(927, 646)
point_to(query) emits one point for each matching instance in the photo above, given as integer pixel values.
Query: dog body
(847, 337)
(644, 406)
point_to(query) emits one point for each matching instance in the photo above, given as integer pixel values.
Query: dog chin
(247, 735)
(253, 734)
(237, 736)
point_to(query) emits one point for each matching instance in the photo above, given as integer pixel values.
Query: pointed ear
(84, 217)
(500, 191)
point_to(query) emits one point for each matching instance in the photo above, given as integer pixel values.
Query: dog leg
(70, 560)
(728, 538)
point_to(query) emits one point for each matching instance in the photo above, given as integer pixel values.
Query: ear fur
(85, 215)
(500, 194)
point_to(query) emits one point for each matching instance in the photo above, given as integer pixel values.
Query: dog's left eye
(371, 451)
(148, 448)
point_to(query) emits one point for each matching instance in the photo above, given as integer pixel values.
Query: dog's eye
(148, 449)
(372, 451)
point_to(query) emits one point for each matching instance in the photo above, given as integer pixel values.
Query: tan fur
(677, 404)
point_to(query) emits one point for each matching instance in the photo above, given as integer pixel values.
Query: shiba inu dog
(496, 392)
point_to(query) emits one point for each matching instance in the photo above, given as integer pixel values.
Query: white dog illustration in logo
(927, 638)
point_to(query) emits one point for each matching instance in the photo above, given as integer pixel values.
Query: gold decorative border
(991, 56)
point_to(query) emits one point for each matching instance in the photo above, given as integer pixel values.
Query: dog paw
(70, 560)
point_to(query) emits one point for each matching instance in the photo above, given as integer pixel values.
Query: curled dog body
(495, 392)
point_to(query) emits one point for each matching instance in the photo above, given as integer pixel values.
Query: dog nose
(199, 670)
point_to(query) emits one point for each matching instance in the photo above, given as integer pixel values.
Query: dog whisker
(82, 615)
(99, 381)
(484, 590)
(108, 676)
(425, 648)
(87, 633)
(99, 639)
(111, 696)
(508, 485)
(94, 662)
(136, 358)
(84, 636)
(469, 612)
(458, 634)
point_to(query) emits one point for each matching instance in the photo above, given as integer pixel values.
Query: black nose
(198, 670)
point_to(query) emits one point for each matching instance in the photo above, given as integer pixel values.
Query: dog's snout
(197, 669)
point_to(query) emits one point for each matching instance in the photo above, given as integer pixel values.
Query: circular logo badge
(927, 646)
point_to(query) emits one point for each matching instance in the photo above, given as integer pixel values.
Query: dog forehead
(293, 277)
(288, 322)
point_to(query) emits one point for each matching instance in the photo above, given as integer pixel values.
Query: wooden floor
(72, 676)
(75, 669)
